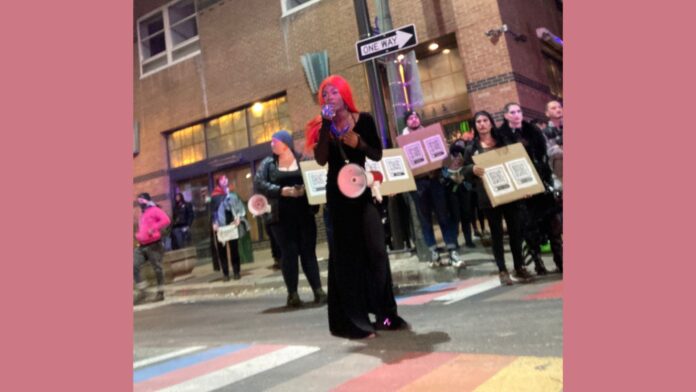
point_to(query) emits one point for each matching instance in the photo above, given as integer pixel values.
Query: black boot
(294, 300)
(319, 296)
(539, 266)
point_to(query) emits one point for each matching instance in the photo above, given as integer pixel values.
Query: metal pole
(376, 101)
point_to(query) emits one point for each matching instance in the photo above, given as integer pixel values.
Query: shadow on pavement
(395, 346)
(287, 309)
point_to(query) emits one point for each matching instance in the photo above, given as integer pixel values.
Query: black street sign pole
(363, 19)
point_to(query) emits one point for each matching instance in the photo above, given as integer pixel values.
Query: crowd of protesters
(359, 281)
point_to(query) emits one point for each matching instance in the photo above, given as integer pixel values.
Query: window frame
(286, 11)
(169, 47)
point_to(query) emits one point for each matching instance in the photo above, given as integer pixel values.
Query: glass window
(443, 84)
(266, 118)
(168, 35)
(186, 146)
(226, 133)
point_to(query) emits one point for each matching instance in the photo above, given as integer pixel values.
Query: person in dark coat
(487, 139)
(280, 180)
(540, 212)
(183, 218)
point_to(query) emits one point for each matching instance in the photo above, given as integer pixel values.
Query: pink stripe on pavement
(553, 291)
(203, 368)
(394, 376)
(424, 298)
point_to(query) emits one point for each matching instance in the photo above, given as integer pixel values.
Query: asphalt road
(464, 335)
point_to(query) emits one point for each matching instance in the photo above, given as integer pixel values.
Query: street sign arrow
(389, 42)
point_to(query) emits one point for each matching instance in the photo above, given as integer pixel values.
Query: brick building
(213, 79)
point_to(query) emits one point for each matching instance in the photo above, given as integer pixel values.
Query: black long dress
(360, 280)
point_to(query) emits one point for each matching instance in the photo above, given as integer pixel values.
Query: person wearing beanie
(291, 219)
(150, 248)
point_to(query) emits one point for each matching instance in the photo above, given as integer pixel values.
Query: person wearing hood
(228, 209)
(150, 248)
(183, 218)
(280, 180)
(540, 212)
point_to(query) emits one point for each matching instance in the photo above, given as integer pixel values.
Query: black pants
(153, 254)
(511, 214)
(275, 247)
(298, 239)
(460, 201)
(543, 220)
(234, 254)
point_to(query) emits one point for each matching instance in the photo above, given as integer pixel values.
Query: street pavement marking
(201, 367)
(531, 291)
(452, 292)
(469, 291)
(166, 356)
(332, 374)
(527, 374)
(552, 291)
(463, 373)
(393, 376)
(159, 370)
(242, 370)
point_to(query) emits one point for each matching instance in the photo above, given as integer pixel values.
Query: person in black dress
(360, 280)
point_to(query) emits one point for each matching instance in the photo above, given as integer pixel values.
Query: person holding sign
(360, 280)
(486, 138)
(228, 209)
(541, 214)
(431, 195)
(280, 180)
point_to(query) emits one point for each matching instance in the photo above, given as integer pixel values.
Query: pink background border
(67, 190)
(67, 91)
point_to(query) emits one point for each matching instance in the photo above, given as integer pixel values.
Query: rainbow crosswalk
(207, 369)
(449, 293)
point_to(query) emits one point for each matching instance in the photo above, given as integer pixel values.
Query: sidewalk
(258, 278)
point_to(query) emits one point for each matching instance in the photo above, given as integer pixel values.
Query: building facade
(213, 79)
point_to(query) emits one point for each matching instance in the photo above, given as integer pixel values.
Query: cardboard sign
(425, 149)
(509, 174)
(397, 176)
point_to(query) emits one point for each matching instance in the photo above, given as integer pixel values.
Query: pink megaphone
(258, 205)
(353, 180)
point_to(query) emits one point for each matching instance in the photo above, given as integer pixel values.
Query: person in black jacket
(540, 212)
(486, 138)
(183, 218)
(280, 180)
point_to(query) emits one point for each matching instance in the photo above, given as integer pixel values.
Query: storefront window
(266, 118)
(443, 84)
(226, 133)
(186, 146)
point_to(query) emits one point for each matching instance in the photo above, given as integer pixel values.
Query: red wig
(314, 125)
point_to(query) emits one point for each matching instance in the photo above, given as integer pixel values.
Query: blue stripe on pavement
(159, 369)
(429, 289)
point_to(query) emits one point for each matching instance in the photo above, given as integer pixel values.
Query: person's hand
(478, 170)
(215, 227)
(237, 221)
(300, 189)
(150, 231)
(328, 112)
(287, 191)
(351, 139)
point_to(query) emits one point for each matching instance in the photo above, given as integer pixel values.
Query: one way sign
(391, 41)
